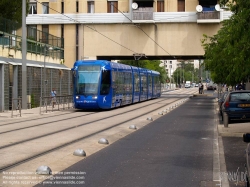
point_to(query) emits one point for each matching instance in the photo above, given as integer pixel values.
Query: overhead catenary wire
(142, 30)
(94, 29)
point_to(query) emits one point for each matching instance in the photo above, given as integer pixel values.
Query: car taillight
(227, 102)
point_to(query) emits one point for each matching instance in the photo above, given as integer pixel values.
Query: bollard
(225, 119)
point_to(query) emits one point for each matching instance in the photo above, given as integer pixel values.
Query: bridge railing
(143, 13)
(208, 15)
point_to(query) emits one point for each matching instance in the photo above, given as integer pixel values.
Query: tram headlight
(77, 97)
(94, 97)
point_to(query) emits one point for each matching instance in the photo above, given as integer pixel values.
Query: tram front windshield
(88, 79)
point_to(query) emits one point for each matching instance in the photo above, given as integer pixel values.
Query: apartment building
(117, 29)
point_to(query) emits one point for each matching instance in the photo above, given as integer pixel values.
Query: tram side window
(118, 83)
(150, 82)
(130, 82)
(145, 83)
(105, 83)
(137, 82)
(155, 84)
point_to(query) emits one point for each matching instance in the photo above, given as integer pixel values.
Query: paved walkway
(33, 112)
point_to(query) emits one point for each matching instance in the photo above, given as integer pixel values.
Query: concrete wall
(11, 54)
(176, 39)
(179, 38)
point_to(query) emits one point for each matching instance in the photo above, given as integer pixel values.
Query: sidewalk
(232, 151)
(235, 129)
(33, 112)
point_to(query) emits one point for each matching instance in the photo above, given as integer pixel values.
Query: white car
(187, 85)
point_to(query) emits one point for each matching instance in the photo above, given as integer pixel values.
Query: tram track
(68, 143)
(77, 139)
(70, 118)
(62, 130)
(43, 117)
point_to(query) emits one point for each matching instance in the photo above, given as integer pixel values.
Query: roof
(32, 63)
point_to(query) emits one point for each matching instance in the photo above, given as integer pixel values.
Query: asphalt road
(175, 150)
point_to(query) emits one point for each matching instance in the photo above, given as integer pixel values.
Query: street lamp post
(177, 77)
(183, 79)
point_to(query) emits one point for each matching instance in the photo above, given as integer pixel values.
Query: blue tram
(100, 84)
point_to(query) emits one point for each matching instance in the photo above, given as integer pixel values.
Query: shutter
(160, 6)
(181, 5)
(115, 6)
(109, 7)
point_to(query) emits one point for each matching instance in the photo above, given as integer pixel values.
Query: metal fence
(36, 39)
(14, 42)
(61, 102)
(58, 79)
(18, 107)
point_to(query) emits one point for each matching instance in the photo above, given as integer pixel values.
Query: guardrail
(61, 102)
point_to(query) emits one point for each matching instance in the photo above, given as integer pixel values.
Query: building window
(170, 62)
(32, 32)
(91, 7)
(112, 7)
(32, 8)
(77, 53)
(160, 6)
(181, 5)
(62, 7)
(170, 66)
(45, 34)
(77, 33)
(62, 31)
(62, 35)
(77, 6)
(45, 8)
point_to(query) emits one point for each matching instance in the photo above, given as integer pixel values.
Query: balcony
(208, 17)
(143, 13)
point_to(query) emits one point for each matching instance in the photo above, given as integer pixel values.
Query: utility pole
(177, 77)
(200, 70)
(24, 51)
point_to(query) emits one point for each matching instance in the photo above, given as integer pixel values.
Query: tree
(148, 64)
(12, 10)
(227, 52)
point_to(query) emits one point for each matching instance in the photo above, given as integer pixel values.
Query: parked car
(221, 101)
(236, 106)
(211, 87)
(246, 138)
(196, 85)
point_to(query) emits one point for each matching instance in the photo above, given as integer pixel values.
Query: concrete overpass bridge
(115, 36)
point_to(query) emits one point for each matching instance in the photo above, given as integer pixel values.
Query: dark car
(221, 101)
(211, 87)
(236, 106)
(246, 138)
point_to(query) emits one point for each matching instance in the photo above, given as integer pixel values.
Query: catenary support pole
(24, 51)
